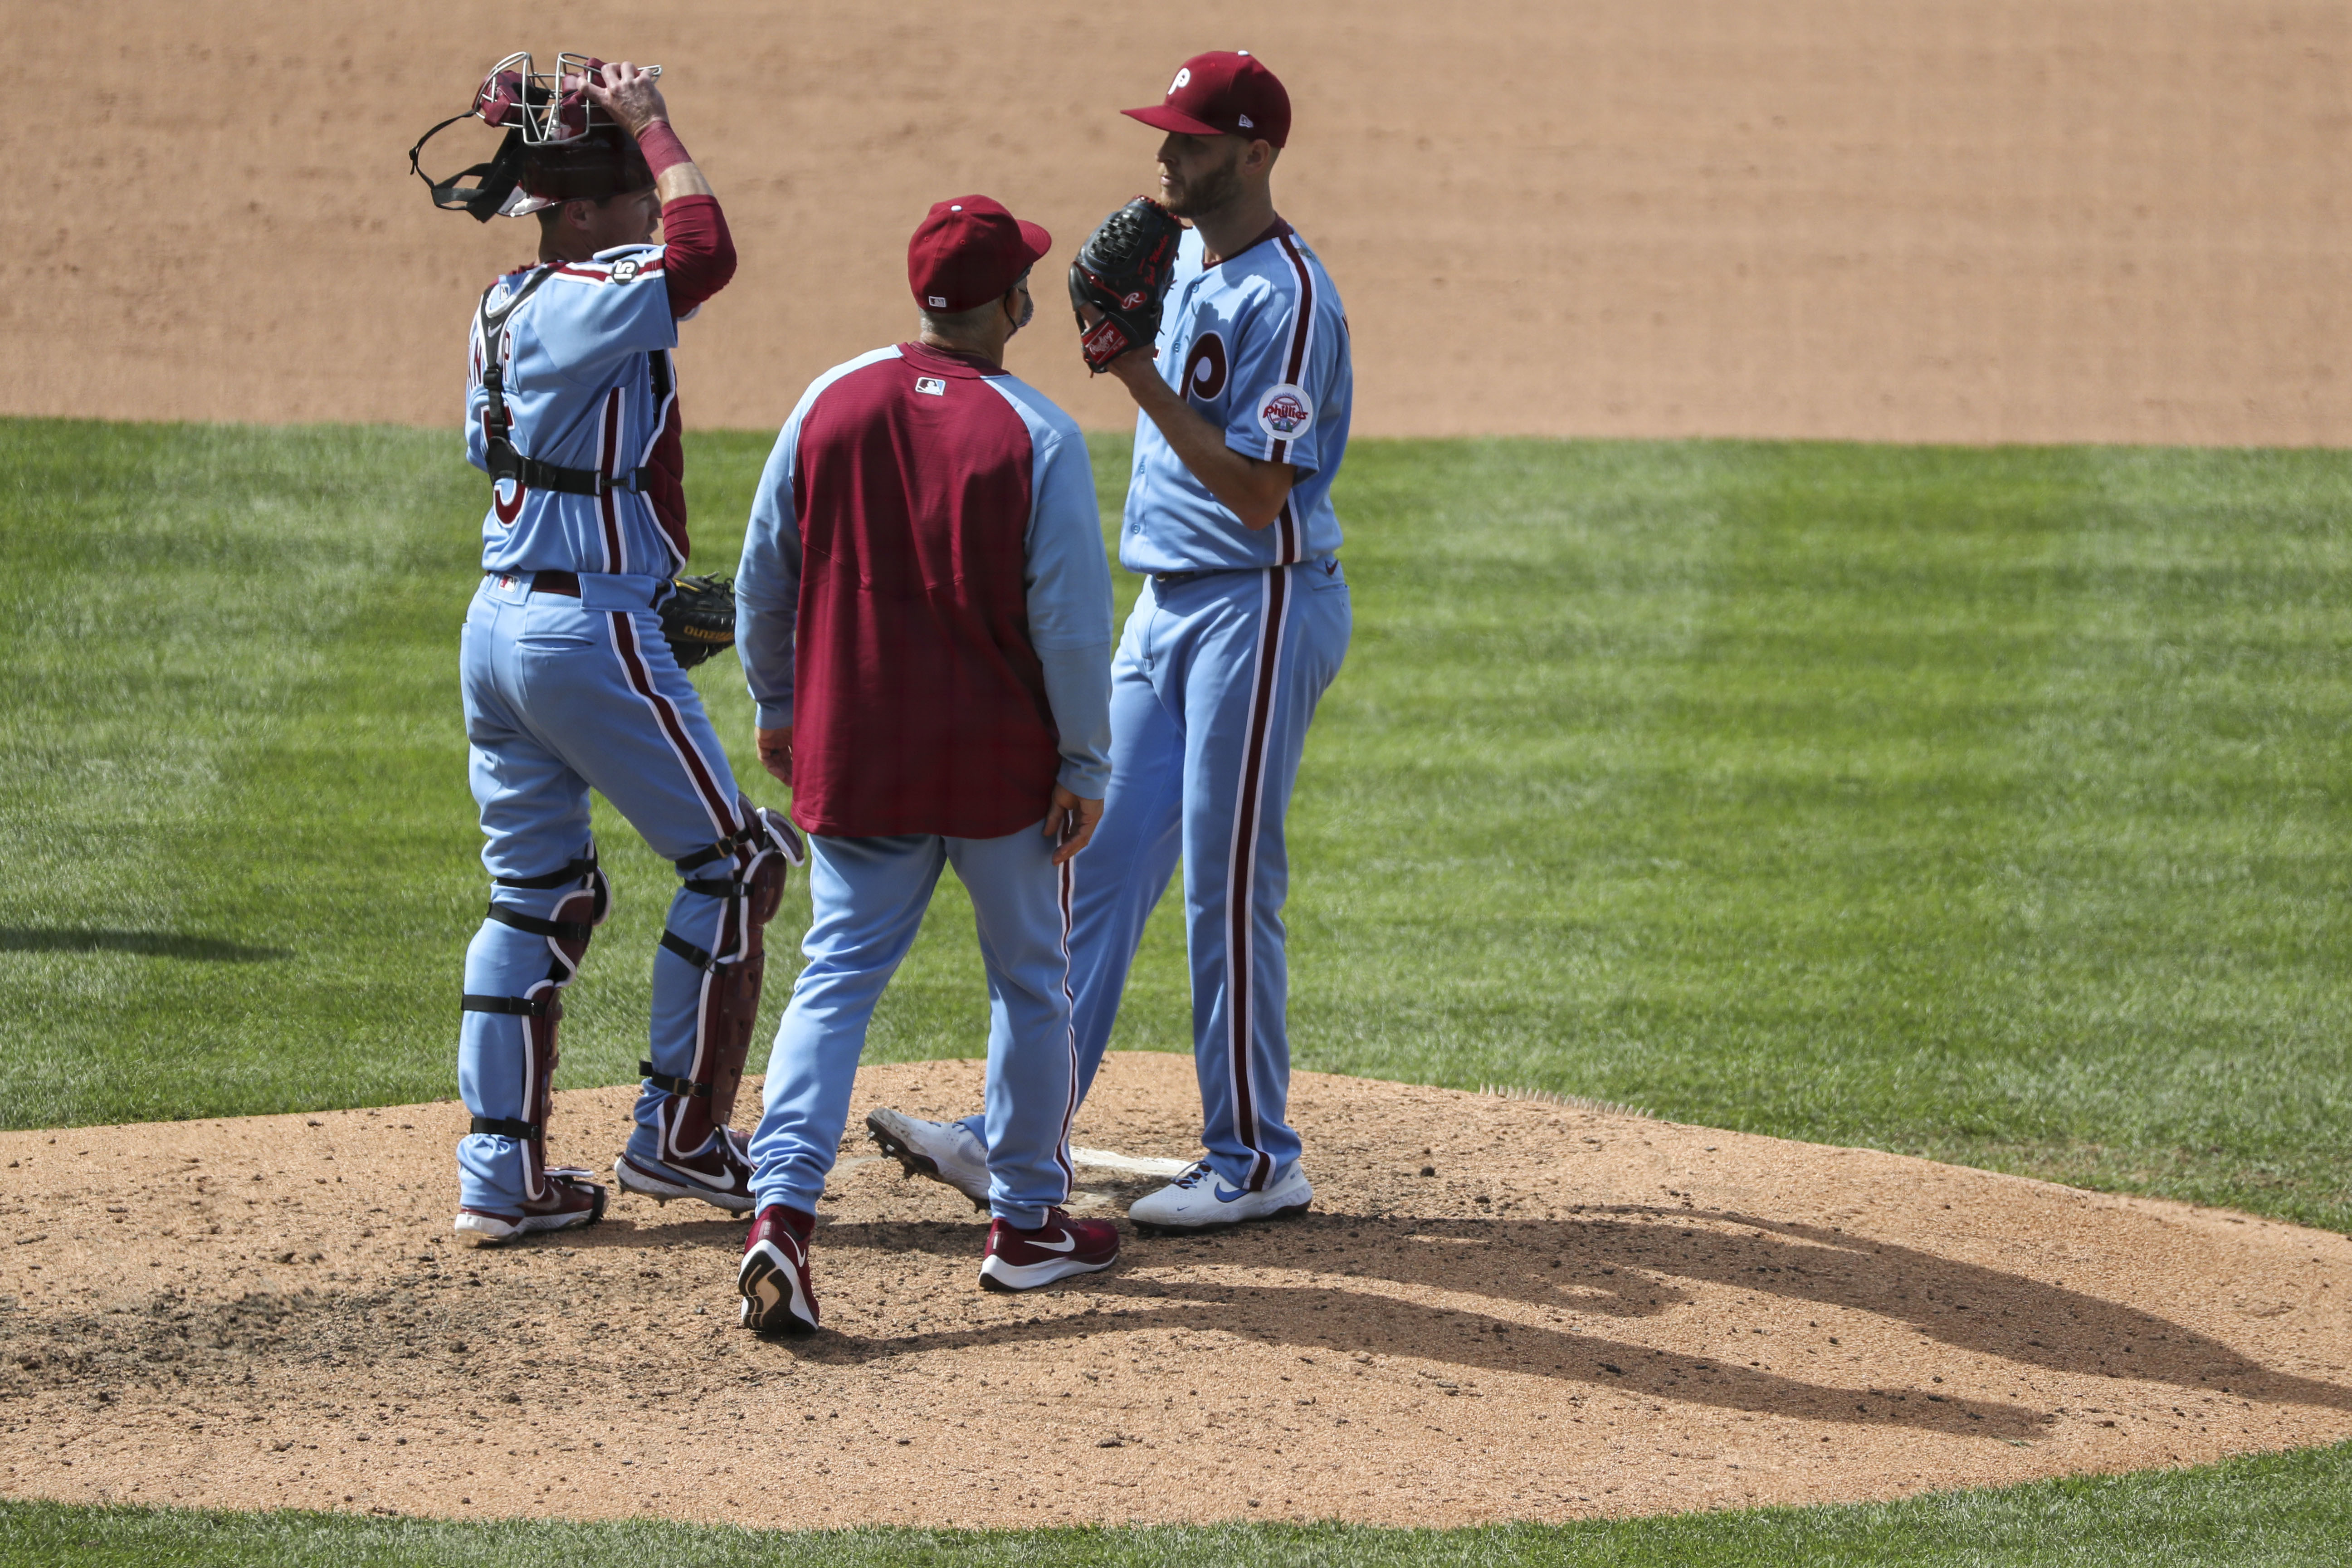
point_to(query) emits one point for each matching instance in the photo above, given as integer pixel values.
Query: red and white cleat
(774, 1279)
(571, 1200)
(1025, 1259)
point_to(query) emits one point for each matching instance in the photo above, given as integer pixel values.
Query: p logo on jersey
(1286, 414)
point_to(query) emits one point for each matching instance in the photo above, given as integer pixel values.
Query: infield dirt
(1500, 1309)
(1912, 220)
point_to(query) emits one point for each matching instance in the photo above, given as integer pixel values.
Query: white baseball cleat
(1199, 1200)
(946, 1152)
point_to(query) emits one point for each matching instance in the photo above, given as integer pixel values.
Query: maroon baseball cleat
(720, 1174)
(1025, 1259)
(569, 1199)
(774, 1278)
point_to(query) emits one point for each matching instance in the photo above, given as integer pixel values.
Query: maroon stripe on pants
(1065, 896)
(1241, 888)
(641, 681)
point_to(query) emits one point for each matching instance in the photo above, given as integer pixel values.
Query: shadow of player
(1627, 1262)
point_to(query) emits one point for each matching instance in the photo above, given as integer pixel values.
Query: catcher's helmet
(559, 147)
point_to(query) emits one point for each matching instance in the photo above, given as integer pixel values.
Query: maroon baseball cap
(1225, 92)
(969, 250)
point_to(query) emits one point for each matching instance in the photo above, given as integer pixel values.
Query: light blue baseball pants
(868, 898)
(564, 695)
(1213, 686)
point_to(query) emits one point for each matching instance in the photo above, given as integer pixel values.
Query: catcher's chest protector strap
(497, 422)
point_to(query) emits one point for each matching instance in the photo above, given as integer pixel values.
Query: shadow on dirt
(1624, 1263)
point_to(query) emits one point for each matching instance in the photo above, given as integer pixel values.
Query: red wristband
(662, 148)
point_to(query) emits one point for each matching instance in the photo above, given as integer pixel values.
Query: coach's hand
(1070, 824)
(776, 753)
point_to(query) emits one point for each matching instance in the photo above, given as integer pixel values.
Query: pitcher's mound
(1500, 1309)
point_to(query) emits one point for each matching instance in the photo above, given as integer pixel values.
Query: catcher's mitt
(698, 619)
(1123, 271)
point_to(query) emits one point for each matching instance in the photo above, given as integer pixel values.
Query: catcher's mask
(559, 147)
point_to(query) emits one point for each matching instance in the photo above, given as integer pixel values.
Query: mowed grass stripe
(1983, 805)
(2289, 1510)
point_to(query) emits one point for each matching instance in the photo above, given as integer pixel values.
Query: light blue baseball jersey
(589, 383)
(1258, 345)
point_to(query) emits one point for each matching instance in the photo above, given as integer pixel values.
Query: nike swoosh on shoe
(1225, 1197)
(1069, 1244)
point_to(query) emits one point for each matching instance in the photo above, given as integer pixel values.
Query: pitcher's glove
(698, 619)
(1123, 271)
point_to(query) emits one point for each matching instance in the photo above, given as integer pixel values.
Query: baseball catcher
(573, 649)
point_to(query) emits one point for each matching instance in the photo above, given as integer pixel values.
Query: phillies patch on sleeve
(1286, 413)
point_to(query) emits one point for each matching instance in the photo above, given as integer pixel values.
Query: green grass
(2273, 1511)
(1981, 805)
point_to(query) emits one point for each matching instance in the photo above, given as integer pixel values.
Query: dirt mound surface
(1977, 221)
(1498, 1310)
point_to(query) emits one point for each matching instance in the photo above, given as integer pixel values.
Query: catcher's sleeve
(698, 252)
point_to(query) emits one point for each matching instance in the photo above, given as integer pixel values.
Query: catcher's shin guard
(568, 930)
(733, 968)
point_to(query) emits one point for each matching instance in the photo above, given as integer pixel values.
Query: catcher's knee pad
(567, 929)
(733, 967)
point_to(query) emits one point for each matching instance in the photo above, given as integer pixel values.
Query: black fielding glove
(698, 619)
(1123, 271)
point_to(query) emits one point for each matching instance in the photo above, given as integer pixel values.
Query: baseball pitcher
(1241, 624)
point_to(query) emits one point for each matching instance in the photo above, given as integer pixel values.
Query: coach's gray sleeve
(1068, 582)
(768, 586)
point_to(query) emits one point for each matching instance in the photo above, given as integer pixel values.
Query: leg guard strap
(508, 1126)
(684, 1087)
(561, 931)
(572, 871)
(686, 950)
(547, 1006)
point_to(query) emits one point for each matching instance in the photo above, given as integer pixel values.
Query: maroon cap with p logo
(968, 251)
(1225, 92)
